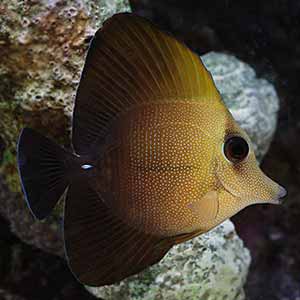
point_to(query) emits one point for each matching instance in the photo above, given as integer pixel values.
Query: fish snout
(282, 192)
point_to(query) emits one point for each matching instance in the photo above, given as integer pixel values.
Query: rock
(212, 266)
(44, 46)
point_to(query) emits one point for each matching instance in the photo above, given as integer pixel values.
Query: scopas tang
(158, 158)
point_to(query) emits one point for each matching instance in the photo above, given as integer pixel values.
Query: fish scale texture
(44, 46)
(162, 175)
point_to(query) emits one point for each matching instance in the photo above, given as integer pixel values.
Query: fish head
(232, 178)
(240, 180)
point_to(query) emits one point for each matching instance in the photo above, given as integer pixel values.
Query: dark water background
(265, 34)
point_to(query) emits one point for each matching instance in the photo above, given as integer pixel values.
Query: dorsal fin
(131, 62)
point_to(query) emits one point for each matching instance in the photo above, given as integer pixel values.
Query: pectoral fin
(207, 207)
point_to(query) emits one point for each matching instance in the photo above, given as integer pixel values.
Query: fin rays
(130, 62)
(100, 248)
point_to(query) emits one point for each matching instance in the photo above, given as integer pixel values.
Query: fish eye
(236, 149)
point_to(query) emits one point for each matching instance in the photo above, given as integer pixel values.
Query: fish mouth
(278, 199)
(263, 190)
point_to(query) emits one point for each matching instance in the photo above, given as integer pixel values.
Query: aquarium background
(265, 34)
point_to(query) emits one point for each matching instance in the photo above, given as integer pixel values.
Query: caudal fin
(43, 171)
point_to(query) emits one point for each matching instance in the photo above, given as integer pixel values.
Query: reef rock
(212, 266)
(43, 45)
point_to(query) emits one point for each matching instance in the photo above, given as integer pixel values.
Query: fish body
(158, 158)
(155, 169)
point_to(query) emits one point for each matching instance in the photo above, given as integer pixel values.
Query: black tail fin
(43, 171)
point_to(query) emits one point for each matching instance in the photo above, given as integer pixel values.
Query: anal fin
(101, 249)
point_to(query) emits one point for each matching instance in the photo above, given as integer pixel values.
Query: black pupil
(236, 149)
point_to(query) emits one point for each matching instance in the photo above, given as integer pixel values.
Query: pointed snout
(280, 195)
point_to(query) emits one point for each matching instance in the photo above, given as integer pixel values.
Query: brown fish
(158, 158)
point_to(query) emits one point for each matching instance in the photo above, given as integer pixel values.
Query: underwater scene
(149, 150)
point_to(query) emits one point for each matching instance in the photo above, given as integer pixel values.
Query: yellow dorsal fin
(131, 62)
